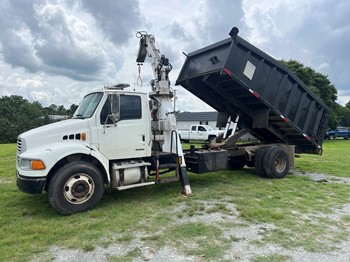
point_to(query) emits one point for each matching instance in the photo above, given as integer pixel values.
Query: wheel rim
(79, 188)
(280, 163)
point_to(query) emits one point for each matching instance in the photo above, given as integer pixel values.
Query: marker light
(38, 165)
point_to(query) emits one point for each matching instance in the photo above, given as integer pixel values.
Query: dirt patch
(5, 181)
(316, 177)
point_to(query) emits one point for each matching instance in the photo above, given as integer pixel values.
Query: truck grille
(20, 146)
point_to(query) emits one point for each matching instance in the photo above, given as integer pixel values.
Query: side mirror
(115, 116)
(111, 113)
(115, 108)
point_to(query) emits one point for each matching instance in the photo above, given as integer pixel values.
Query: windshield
(210, 128)
(88, 105)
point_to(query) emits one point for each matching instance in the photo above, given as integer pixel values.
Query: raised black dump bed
(236, 78)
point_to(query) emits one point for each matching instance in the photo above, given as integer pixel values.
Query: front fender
(51, 154)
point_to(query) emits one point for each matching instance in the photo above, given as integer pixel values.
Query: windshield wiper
(79, 116)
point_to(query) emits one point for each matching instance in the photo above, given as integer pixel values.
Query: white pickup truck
(199, 133)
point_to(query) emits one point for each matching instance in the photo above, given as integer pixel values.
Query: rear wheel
(76, 187)
(258, 161)
(276, 162)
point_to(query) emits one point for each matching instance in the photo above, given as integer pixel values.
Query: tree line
(18, 115)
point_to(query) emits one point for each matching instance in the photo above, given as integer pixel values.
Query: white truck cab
(116, 137)
(109, 141)
(94, 129)
(109, 125)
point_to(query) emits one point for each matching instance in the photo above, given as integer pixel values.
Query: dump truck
(243, 83)
(127, 139)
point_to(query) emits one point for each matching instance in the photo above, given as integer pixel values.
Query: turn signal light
(38, 165)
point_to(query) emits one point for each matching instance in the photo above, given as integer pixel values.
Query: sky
(56, 51)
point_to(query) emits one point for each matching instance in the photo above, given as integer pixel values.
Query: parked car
(338, 132)
(199, 133)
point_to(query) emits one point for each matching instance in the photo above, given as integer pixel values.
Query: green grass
(29, 226)
(334, 161)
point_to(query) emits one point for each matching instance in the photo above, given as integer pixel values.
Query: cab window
(130, 107)
(105, 112)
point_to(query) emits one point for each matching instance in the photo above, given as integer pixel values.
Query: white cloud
(55, 51)
(316, 33)
(35, 82)
(324, 68)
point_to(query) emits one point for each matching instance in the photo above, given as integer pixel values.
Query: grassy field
(29, 227)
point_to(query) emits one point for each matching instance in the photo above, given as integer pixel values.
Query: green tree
(72, 109)
(17, 115)
(344, 115)
(52, 109)
(61, 110)
(347, 104)
(320, 85)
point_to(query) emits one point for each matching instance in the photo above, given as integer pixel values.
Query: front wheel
(76, 187)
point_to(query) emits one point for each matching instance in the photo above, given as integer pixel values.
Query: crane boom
(162, 109)
(161, 65)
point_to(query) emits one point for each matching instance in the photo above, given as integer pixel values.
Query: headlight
(25, 164)
(31, 164)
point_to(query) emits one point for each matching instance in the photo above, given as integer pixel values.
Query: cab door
(193, 133)
(199, 133)
(123, 128)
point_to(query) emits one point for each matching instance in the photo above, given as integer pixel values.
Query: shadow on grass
(38, 206)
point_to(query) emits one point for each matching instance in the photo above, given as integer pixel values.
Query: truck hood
(70, 129)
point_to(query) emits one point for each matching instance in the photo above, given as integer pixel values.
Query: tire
(236, 163)
(276, 162)
(258, 161)
(331, 137)
(76, 187)
(211, 138)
